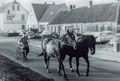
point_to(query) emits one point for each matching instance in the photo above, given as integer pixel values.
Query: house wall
(85, 27)
(13, 27)
(15, 15)
(43, 26)
(32, 21)
(1, 22)
(14, 18)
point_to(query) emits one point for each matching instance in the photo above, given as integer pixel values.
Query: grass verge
(11, 71)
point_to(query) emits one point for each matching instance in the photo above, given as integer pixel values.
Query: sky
(78, 3)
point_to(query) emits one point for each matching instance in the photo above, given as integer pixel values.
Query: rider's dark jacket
(69, 39)
(24, 40)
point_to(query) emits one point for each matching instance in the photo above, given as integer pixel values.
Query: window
(9, 18)
(109, 28)
(23, 27)
(13, 7)
(51, 28)
(8, 11)
(18, 8)
(22, 17)
(102, 28)
(97, 28)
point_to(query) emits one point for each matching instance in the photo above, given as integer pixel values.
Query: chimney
(90, 3)
(3, 4)
(71, 7)
(45, 3)
(74, 6)
(53, 3)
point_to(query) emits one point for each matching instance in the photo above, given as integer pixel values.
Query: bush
(10, 34)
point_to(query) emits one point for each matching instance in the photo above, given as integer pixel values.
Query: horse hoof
(65, 77)
(87, 75)
(45, 66)
(71, 70)
(48, 71)
(58, 70)
(77, 75)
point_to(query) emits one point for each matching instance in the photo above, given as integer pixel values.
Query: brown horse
(83, 44)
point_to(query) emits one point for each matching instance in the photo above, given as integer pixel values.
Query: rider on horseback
(69, 38)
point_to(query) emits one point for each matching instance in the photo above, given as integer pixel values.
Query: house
(50, 14)
(13, 17)
(100, 17)
(36, 13)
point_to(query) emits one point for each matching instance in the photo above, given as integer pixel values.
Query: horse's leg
(62, 65)
(59, 69)
(88, 64)
(48, 63)
(60, 60)
(77, 66)
(45, 59)
(70, 62)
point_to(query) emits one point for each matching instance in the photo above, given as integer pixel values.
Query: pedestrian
(24, 43)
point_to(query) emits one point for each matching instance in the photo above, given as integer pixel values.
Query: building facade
(50, 14)
(13, 16)
(36, 13)
(93, 18)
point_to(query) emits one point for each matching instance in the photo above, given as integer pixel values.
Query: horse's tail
(42, 48)
(41, 54)
(43, 43)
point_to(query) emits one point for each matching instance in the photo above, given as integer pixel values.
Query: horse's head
(91, 43)
(86, 41)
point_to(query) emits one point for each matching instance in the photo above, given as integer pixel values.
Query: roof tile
(95, 13)
(40, 9)
(52, 11)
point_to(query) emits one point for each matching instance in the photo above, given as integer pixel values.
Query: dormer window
(18, 7)
(13, 7)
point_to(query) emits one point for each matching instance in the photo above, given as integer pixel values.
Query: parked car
(95, 34)
(105, 37)
(35, 36)
(115, 39)
(102, 37)
(45, 34)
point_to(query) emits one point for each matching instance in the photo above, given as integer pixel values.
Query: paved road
(100, 70)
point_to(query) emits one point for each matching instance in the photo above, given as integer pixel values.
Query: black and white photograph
(59, 40)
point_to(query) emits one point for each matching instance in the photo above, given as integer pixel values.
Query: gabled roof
(40, 9)
(59, 19)
(52, 11)
(95, 13)
(2, 8)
